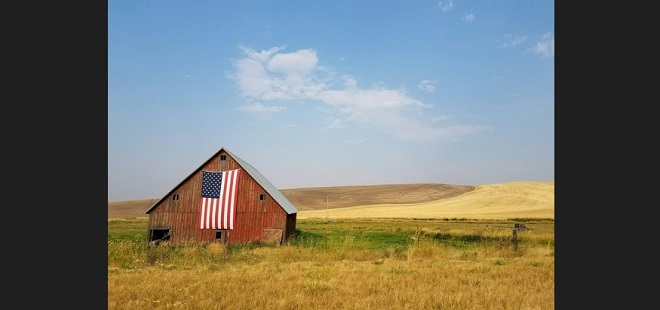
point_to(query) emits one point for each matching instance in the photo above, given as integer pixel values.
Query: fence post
(514, 239)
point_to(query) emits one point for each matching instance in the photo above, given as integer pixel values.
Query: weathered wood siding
(252, 214)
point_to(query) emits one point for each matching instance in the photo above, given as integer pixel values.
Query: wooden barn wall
(252, 214)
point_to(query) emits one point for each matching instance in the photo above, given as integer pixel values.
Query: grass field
(420, 253)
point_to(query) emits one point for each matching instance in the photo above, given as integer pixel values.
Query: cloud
(426, 85)
(413, 131)
(545, 47)
(333, 122)
(446, 6)
(467, 17)
(300, 62)
(276, 76)
(260, 110)
(512, 41)
(356, 100)
(270, 75)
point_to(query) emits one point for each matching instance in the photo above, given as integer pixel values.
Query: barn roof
(254, 173)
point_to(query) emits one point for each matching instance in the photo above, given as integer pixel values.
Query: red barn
(225, 200)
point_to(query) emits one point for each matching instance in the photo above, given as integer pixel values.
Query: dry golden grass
(425, 276)
(494, 201)
(336, 285)
(471, 266)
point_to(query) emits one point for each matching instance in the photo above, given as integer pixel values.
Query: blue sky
(331, 93)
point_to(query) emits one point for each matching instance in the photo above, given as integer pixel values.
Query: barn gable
(262, 211)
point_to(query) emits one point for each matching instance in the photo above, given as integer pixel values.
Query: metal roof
(254, 173)
(269, 187)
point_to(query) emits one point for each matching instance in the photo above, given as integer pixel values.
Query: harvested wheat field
(403, 246)
(493, 201)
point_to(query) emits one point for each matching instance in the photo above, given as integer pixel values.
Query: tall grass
(370, 264)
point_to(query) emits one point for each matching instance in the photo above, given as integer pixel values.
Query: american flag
(218, 199)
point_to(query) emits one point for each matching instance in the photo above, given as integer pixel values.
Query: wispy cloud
(546, 47)
(275, 76)
(468, 17)
(260, 110)
(270, 75)
(427, 85)
(446, 6)
(512, 41)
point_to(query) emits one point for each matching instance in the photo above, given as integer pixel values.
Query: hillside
(130, 208)
(320, 198)
(495, 201)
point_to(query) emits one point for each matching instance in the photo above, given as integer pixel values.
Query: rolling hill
(428, 200)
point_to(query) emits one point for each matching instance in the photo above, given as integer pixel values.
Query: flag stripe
(213, 204)
(214, 215)
(232, 203)
(202, 214)
(223, 214)
(225, 196)
(218, 205)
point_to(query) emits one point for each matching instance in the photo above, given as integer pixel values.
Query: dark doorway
(159, 235)
(221, 235)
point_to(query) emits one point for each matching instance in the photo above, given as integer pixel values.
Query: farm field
(493, 201)
(436, 247)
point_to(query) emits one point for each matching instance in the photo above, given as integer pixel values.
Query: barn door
(221, 236)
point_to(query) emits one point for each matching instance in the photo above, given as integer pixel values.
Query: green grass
(129, 229)
(374, 234)
(359, 240)
(340, 264)
(380, 234)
